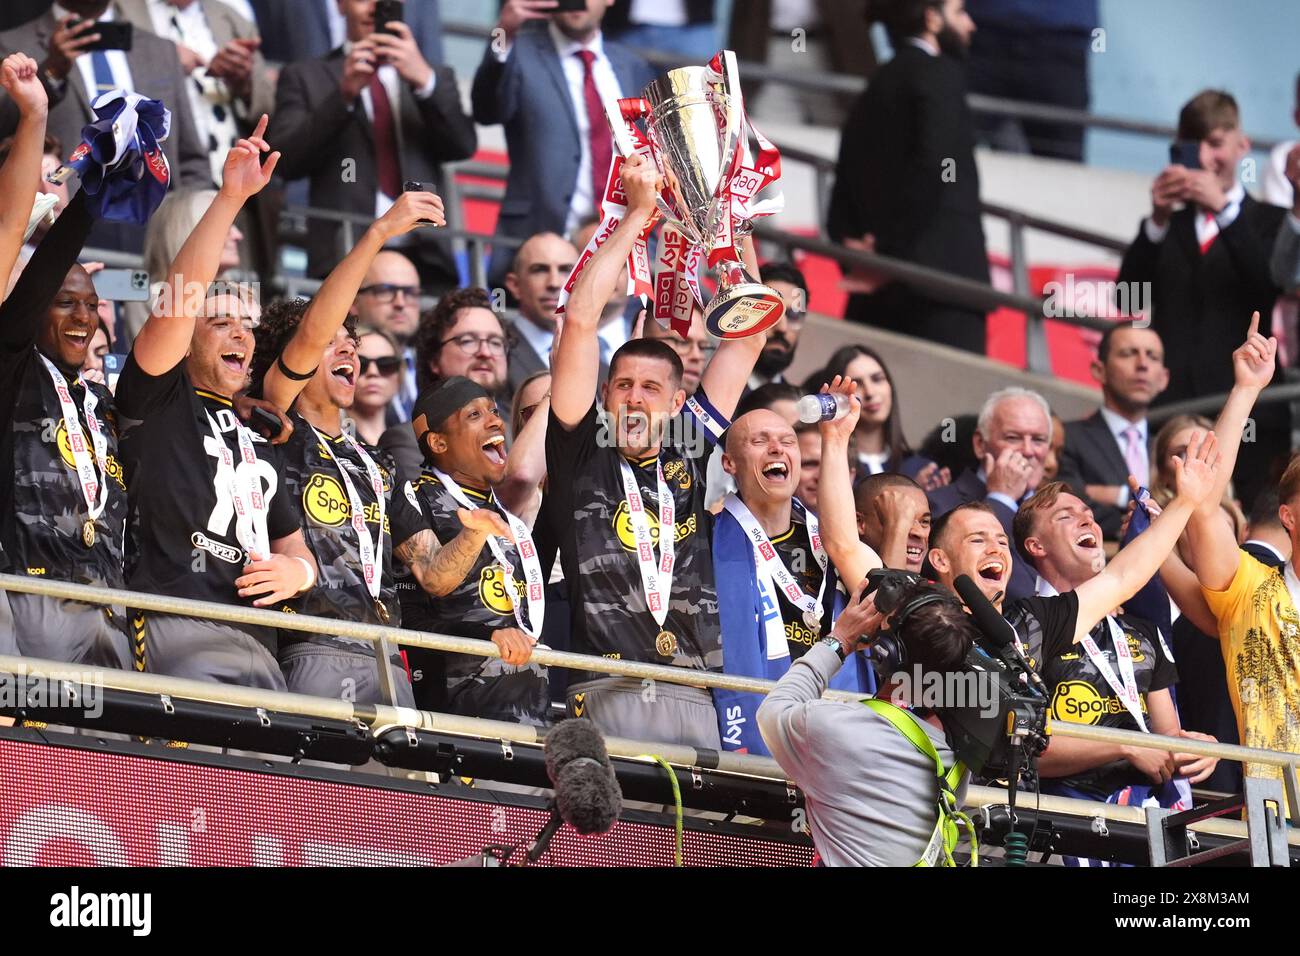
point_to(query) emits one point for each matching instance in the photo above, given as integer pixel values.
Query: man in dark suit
(547, 83)
(1102, 450)
(1207, 264)
(294, 30)
(74, 77)
(906, 184)
(540, 269)
(362, 121)
(1011, 441)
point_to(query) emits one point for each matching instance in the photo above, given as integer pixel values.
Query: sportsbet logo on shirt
(627, 537)
(1078, 702)
(325, 502)
(492, 590)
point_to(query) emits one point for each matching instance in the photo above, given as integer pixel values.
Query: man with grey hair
(1011, 441)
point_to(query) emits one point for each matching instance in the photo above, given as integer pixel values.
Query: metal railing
(384, 638)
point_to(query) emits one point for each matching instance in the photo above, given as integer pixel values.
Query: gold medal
(88, 533)
(382, 611)
(666, 644)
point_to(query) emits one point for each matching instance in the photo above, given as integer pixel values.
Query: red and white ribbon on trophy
(676, 282)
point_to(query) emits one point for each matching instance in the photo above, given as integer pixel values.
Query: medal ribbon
(1127, 690)
(369, 549)
(535, 594)
(656, 579)
(245, 489)
(772, 570)
(93, 489)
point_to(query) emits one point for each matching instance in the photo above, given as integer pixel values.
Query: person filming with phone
(1200, 263)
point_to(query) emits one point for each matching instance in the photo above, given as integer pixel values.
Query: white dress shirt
(245, 9)
(1118, 424)
(660, 13)
(1274, 187)
(117, 61)
(583, 207)
(1207, 226)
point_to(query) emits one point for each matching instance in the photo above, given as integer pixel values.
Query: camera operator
(871, 793)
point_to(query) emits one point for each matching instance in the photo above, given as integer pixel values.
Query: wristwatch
(833, 642)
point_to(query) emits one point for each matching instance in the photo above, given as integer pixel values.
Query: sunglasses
(384, 365)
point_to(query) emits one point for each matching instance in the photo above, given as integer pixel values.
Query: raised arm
(329, 308)
(728, 372)
(575, 360)
(852, 557)
(1135, 564)
(21, 174)
(440, 568)
(526, 465)
(1214, 556)
(165, 338)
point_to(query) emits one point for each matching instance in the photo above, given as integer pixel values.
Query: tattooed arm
(440, 568)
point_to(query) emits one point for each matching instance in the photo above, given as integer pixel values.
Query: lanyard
(1127, 690)
(93, 490)
(772, 570)
(656, 579)
(245, 489)
(369, 549)
(535, 594)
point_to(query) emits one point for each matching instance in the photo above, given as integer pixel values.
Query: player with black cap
(638, 594)
(65, 503)
(486, 579)
(207, 520)
(331, 477)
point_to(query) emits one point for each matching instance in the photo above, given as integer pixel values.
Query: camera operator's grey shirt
(871, 795)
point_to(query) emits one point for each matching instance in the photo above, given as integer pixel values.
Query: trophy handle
(619, 113)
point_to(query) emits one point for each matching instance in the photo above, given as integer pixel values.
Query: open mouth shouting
(776, 473)
(494, 450)
(345, 373)
(1087, 541)
(233, 359)
(77, 336)
(992, 570)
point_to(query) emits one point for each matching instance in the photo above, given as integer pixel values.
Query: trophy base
(746, 308)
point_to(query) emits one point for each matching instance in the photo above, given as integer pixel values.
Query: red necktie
(1205, 246)
(598, 138)
(390, 174)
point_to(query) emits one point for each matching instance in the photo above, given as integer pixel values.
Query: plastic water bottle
(822, 407)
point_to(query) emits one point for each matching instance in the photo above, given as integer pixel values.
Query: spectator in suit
(74, 77)
(294, 30)
(1205, 250)
(782, 338)
(619, 318)
(541, 267)
(546, 82)
(1011, 439)
(906, 184)
(360, 122)
(229, 87)
(389, 299)
(695, 350)
(1102, 450)
(16, 12)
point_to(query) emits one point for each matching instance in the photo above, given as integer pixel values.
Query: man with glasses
(463, 336)
(782, 338)
(389, 298)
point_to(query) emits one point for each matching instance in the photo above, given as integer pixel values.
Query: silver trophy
(695, 122)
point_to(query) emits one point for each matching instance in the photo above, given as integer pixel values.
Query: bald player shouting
(628, 500)
(777, 591)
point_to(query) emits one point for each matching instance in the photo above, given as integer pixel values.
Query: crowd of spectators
(509, 477)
